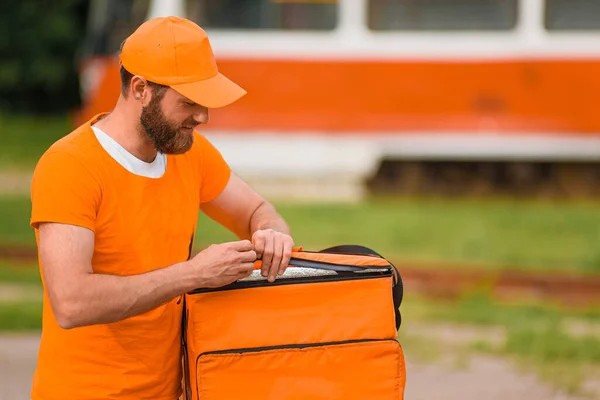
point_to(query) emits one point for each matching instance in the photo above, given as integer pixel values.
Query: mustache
(190, 124)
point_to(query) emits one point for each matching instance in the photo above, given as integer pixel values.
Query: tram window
(572, 15)
(439, 15)
(264, 14)
(109, 22)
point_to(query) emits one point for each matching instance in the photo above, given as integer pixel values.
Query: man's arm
(265, 216)
(80, 297)
(244, 212)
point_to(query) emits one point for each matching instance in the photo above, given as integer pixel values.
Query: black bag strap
(186, 362)
(184, 321)
(397, 287)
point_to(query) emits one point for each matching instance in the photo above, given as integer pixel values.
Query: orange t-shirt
(140, 224)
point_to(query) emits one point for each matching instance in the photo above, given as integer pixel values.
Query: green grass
(14, 216)
(517, 234)
(416, 347)
(21, 316)
(537, 337)
(19, 274)
(481, 309)
(502, 233)
(534, 330)
(24, 139)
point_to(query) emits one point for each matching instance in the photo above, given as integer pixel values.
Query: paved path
(15, 182)
(483, 379)
(17, 362)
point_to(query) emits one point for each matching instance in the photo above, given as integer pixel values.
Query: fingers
(243, 271)
(288, 245)
(247, 268)
(247, 256)
(258, 239)
(242, 245)
(275, 250)
(277, 256)
(246, 250)
(267, 257)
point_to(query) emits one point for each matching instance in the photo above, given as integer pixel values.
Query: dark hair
(126, 77)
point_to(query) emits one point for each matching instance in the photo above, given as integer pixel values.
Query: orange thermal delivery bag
(326, 329)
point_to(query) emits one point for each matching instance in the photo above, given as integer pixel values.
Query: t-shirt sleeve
(63, 190)
(214, 173)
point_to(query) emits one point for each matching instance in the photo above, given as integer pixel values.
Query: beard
(166, 136)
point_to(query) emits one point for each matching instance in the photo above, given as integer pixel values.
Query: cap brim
(215, 92)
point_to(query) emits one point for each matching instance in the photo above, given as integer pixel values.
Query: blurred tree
(38, 43)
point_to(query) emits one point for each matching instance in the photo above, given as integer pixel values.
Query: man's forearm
(266, 217)
(102, 298)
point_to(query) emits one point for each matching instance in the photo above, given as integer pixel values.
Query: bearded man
(115, 205)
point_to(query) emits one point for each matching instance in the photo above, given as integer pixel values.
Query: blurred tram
(444, 97)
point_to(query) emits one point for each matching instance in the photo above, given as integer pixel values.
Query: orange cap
(176, 52)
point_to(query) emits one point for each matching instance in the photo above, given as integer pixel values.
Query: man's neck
(126, 131)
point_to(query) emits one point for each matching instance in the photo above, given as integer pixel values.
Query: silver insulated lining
(299, 272)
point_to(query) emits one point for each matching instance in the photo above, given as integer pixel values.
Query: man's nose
(201, 116)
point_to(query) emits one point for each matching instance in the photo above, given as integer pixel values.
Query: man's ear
(140, 90)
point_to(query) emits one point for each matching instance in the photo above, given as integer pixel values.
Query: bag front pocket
(361, 369)
(292, 311)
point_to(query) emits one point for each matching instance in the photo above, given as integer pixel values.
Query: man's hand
(275, 249)
(221, 264)
(254, 219)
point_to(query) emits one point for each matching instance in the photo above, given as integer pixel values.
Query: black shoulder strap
(397, 288)
(186, 362)
(184, 321)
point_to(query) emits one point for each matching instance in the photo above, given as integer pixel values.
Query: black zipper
(288, 346)
(339, 276)
(335, 266)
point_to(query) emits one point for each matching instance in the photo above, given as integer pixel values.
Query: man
(114, 208)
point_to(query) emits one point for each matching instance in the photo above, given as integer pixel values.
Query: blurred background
(459, 138)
